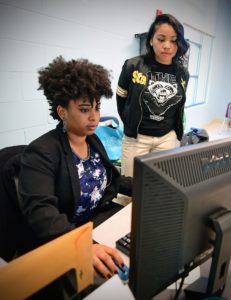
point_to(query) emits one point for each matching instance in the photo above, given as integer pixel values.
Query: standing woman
(151, 92)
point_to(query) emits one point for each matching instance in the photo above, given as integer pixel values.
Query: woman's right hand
(103, 263)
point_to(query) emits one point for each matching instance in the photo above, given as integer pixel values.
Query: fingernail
(115, 272)
(108, 276)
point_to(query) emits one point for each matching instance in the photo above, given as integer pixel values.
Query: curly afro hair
(63, 81)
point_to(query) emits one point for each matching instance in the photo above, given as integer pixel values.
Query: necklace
(80, 157)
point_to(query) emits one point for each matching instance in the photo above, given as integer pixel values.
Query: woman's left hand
(103, 257)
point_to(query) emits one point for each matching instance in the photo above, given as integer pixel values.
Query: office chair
(110, 118)
(11, 220)
(29, 273)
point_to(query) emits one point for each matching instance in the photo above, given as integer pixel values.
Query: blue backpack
(111, 134)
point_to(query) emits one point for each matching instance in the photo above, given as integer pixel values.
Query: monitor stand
(220, 222)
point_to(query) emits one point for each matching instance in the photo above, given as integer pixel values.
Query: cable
(179, 289)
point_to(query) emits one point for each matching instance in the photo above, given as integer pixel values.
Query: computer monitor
(180, 217)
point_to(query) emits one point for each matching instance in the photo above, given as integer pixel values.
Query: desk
(111, 230)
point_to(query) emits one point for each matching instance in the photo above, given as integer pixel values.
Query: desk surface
(108, 233)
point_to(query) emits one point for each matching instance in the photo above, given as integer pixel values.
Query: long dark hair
(182, 44)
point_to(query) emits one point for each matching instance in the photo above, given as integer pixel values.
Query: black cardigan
(129, 93)
(49, 186)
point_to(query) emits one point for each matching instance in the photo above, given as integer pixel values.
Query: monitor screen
(175, 192)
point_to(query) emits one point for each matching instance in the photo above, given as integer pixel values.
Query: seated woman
(66, 178)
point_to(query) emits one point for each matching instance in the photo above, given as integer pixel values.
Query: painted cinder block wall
(33, 32)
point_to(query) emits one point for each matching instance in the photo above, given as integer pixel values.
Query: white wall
(219, 77)
(33, 32)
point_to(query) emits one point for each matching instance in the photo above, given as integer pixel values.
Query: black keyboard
(123, 244)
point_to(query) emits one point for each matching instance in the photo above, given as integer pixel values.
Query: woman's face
(80, 117)
(164, 43)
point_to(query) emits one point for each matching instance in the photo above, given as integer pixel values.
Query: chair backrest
(11, 220)
(29, 273)
(109, 118)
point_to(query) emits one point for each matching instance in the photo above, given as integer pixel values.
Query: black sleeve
(125, 185)
(123, 87)
(38, 201)
(186, 72)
